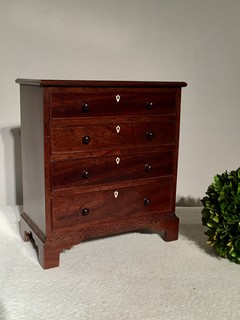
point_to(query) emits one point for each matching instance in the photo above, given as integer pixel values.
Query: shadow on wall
(2, 312)
(13, 164)
(188, 202)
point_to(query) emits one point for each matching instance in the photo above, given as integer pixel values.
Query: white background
(196, 41)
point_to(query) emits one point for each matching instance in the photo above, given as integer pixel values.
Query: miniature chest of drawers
(98, 158)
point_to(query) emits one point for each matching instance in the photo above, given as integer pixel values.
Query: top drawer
(74, 103)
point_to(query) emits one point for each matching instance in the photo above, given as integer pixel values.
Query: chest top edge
(100, 83)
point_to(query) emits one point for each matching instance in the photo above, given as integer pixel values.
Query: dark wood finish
(99, 158)
(99, 84)
(32, 148)
(104, 136)
(105, 206)
(87, 103)
(86, 172)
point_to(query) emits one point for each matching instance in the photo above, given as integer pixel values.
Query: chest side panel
(32, 149)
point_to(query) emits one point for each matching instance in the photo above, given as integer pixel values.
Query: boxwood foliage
(221, 215)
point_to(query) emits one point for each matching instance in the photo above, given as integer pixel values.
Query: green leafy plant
(221, 215)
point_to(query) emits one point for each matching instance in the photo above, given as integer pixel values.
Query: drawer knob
(85, 211)
(85, 174)
(85, 107)
(86, 140)
(150, 135)
(146, 202)
(148, 167)
(149, 105)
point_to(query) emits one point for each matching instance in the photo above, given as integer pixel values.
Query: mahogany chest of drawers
(98, 158)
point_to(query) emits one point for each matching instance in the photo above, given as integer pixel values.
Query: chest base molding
(49, 248)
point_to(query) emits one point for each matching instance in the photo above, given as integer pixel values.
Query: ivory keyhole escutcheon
(118, 98)
(118, 129)
(115, 194)
(117, 160)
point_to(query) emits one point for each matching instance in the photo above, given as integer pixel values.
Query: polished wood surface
(101, 83)
(32, 149)
(111, 205)
(104, 136)
(100, 158)
(89, 103)
(86, 172)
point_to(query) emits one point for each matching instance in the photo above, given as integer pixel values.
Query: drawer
(111, 135)
(112, 103)
(110, 169)
(110, 205)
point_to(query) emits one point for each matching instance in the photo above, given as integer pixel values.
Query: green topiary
(221, 214)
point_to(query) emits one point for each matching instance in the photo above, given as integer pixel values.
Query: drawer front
(110, 205)
(111, 135)
(110, 169)
(112, 103)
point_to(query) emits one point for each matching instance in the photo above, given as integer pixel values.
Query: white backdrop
(163, 40)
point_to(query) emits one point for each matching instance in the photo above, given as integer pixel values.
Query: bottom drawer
(111, 204)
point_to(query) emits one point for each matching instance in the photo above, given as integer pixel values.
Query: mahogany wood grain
(61, 141)
(105, 205)
(32, 150)
(104, 136)
(101, 83)
(85, 172)
(89, 103)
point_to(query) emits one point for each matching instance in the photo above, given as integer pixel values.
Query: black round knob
(86, 140)
(85, 211)
(85, 174)
(146, 202)
(149, 105)
(85, 107)
(148, 167)
(150, 135)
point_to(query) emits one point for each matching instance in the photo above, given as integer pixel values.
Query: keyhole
(118, 98)
(115, 194)
(117, 160)
(118, 129)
